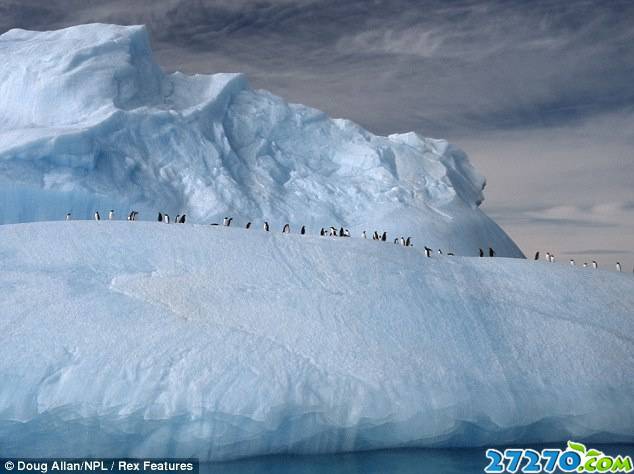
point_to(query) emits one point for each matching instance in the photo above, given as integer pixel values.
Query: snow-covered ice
(147, 339)
(89, 121)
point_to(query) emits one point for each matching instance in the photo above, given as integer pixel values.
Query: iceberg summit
(140, 339)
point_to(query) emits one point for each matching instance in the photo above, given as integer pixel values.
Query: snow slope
(146, 339)
(89, 121)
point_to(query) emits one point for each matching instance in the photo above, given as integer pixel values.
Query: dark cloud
(538, 93)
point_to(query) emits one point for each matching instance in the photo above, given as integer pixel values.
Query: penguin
(408, 242)
(537, 255)
(111, 215)
(491, 252)
(595, 265)
(286, 229)
(182, 221)
(134, 214)
(481, 253)
(402, 241)
(97, 216)
(160, 217)
(384, 237)
(266, 226)
(248, 226)
(225, 221)
(428, 251)
(439, 252)
(346, 233)
(572, 262)
(375, 236)
(585, 264)
(548, 256)
(451, 254)
(322, 232)
(396, 240)
(166, 218)
(177, 218)
(552, 258)
(302, 231)
(341, 232)
(333, 232)
(363, 234)
(68, 216)
(618, 267)
(229, 222)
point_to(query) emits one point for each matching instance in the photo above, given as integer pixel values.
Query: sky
(540, 94)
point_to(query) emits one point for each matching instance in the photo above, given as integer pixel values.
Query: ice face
(148, 339)
(88, 120)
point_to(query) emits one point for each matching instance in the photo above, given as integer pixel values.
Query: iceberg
(89, 121)
(143, 339)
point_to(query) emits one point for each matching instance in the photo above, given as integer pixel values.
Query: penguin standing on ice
(548, 256)
(375, 236)
(403, 241)
(132, 216)
(182, 219)
(111, 215)
(286, 229)
(439, 252)
(585, 264)
(333, 232)
(248, 226)
(266, 226)
(408, 242)
(68, 216)
(341, 232)
(595, 265)
(97, 216)
(481, 253)
(491, 252)
(166, 218)
(160, 217)
(618, 267)
(177, 218)
(322, 232)
(537, 255)
(364, 235)
(384, 237)
(427, 251)
(396, 241)
(552, 258)
(302, 231)
(572, 262)
(227, 221)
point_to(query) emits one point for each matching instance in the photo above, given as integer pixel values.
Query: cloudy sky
(540, 94)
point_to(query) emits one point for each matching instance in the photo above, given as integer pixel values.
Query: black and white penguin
(266, 226)
(595, 265)
(111, 215)
(302, 231)
(585, 264)
(552, 258)
(402, 241)
(548, 256)
(333, 232)
(322, 232)
(248, 226)
(364, 235)
(572, 262)
(182, 220)
(427, 251)
(97, 216)
(537, 255)
(618, 267)
(375, 236)
(451, 254)
(396, 240)
(160, 217)
(491, 252)
(225, 221)
(439, 252)
(481, 253)
(341, 232)
(384, 237)
(166, 218)
(286, 229)
(68, 216)
(134, 215)
(408, 242)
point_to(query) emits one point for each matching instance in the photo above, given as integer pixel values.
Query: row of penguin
(333, 232)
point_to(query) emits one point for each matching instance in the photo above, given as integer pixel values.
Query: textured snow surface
(89, 121)
(146, 339)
